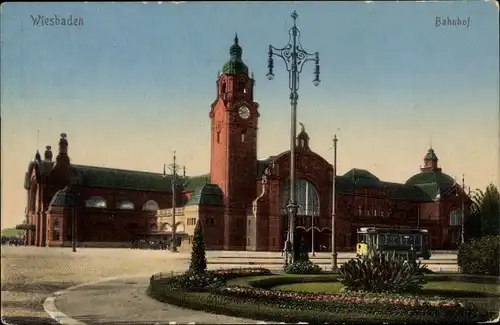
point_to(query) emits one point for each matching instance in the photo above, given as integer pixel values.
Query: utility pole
(174, 169)
(334, 205)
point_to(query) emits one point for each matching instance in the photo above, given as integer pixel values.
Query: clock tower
(233, 163)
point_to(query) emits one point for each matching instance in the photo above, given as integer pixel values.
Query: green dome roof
(440, 179)
(63, 198)
(208, 194)
(363, 178)
(235, 65)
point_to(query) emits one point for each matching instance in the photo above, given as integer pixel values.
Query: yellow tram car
(405, 242)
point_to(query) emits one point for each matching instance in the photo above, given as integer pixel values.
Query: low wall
(91, 244)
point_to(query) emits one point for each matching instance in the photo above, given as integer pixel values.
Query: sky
(136, 81)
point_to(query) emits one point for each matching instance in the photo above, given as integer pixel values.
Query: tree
(490, 211)
(198, 257)
(485, 213)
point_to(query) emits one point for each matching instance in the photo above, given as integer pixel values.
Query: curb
(49, 305)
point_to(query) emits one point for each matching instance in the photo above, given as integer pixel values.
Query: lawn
(335, 287)
(464, 291)
(12, 232)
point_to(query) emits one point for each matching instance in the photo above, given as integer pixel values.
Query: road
(31, 274)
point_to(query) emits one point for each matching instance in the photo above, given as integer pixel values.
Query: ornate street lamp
(294, 57)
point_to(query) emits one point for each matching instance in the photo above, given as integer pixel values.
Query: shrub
(196, 282)
(302, 265)
(480, 256)
(198, 262)
(191, 281)
(382, 273)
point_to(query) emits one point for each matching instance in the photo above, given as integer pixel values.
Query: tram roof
(375, 229)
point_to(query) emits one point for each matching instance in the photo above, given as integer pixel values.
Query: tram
(409, 243)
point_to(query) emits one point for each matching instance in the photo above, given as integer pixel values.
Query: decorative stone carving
(267, 173)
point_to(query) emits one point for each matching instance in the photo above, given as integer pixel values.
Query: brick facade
(234, 211)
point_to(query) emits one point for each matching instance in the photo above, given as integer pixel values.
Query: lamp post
(294, 57)
(462, 226)
(334, 204)
(73, 220)
(174, 168)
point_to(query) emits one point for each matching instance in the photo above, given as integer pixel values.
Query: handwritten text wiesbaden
(56, 20)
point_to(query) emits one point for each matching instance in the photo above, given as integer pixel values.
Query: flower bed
(287, 306)
(329, 298)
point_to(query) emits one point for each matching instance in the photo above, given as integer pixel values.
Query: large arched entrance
(308, 213)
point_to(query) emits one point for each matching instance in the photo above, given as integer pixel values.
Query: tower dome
(235, 65)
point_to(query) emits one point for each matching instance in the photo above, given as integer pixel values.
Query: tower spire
(235, 50)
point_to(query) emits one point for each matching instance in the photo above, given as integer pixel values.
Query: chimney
(48, 153)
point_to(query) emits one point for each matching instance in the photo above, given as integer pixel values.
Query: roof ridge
(118, 169)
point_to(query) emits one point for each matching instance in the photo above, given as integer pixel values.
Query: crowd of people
(12, 240)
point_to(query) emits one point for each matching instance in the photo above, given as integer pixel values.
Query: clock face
(244, 112)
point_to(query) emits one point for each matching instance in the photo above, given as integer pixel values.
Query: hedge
(480, 256)
(282, 306)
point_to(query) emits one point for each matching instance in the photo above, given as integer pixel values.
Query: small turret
(431, 161)
(63, 145)
(62, 156)
(38, 158)
(302, 138)
(48, 153)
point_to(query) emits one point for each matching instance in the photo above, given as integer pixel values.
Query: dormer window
(223, 88)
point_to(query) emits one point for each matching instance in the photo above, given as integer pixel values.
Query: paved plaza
(31, 274)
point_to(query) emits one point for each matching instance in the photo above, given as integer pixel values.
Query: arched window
(96, 202)
(125, 205)
(306, 195)
(456, 217)
(150, 205)
(242, 87)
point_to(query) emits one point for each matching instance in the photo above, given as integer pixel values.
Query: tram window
(361, 238)
(407, 240)
(418, 240)
(382, 239)
(392, 239)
